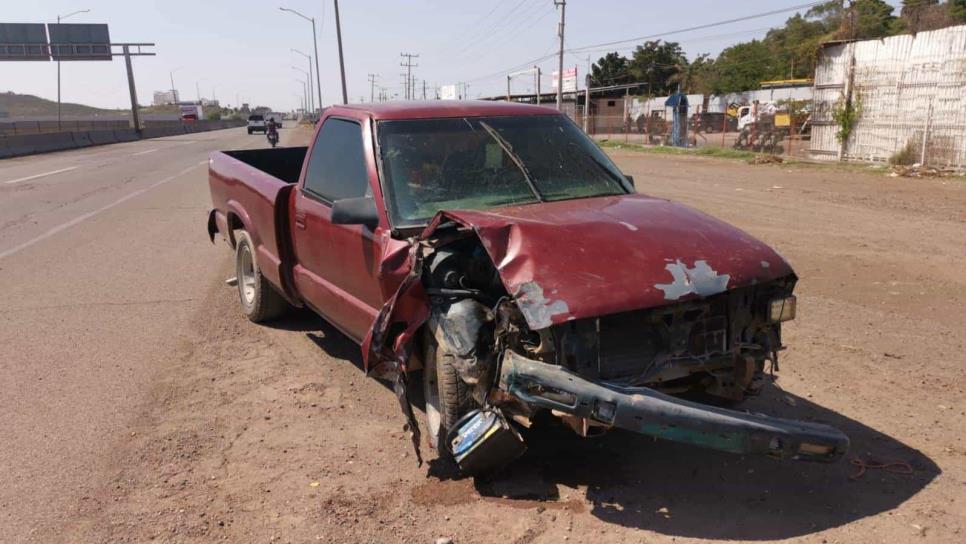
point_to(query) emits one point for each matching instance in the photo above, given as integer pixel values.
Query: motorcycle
(273, 137)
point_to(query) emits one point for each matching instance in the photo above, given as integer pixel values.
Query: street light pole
(305, 94)
(59, 19)
(308, 96)
(311, 98)
(315, 42)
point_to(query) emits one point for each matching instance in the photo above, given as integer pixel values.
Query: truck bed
(284, 163)
(250, 190)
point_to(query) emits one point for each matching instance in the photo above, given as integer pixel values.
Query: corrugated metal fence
(911, 91)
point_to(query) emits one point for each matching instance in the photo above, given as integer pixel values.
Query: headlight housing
(781, 309)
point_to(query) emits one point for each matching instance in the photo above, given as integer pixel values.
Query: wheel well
(234, 223)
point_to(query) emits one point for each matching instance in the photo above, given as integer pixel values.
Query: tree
(656, 63)
(611, 69)
(794, 46)
(741, 67)
(695, 76)
(868, 19)
(922, 15)
(957, 11)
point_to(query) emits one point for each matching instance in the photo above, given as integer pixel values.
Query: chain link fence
(783, 132)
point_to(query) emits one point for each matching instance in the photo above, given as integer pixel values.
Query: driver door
(337, 265)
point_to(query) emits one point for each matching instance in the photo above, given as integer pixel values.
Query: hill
(28, 105)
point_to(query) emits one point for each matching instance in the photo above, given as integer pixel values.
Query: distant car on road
(713, 122)
(256, 123)
(192, 112)
(276, 116)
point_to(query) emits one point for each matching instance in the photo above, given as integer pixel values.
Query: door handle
(300, 220)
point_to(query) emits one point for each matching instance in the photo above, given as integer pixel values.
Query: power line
(649, 37)
(477, 26)
(486, 34)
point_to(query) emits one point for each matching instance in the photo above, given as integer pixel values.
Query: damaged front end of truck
(601, 316)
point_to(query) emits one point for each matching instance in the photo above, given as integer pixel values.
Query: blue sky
(240, 49)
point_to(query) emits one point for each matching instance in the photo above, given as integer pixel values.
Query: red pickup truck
(492, 254)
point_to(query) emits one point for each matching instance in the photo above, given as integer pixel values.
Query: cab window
(337, 167)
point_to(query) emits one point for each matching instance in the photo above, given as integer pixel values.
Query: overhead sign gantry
(70, 42)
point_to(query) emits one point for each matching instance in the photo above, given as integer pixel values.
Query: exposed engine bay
(719, 346)
(597, 373)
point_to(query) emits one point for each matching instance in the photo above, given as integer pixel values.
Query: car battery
(483, 441)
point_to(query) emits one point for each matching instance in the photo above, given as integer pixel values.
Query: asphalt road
(101, 262)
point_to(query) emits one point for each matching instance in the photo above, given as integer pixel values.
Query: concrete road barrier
(30, 144)
(125, 135)
(101, 137)
(82, 139)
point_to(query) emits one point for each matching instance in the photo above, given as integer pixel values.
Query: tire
(447, 397)
(259, 299)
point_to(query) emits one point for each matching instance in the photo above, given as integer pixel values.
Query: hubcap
(246, 272)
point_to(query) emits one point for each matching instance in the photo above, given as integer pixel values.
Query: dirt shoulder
(274, 434)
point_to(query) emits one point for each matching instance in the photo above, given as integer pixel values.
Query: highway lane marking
(81, 218)
(145, 152)
(45, 174)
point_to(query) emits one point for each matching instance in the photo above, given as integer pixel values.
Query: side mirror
(355, 211)
(630, 179)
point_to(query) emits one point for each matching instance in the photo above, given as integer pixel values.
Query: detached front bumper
(646, 411)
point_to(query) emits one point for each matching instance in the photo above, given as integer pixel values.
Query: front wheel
(447, 396)
(260, 301)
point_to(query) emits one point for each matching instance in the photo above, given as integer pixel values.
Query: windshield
(485, 162)
(256, 118)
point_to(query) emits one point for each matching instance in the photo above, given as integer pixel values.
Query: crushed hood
(590, 257)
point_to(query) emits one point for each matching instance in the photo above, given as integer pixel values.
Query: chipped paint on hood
(596, 256)
(700, 280)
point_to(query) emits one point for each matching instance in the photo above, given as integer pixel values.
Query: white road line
(35, 176)
(145, 152)
(81, 218)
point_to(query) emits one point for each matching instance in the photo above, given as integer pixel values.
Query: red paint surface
(606, 255)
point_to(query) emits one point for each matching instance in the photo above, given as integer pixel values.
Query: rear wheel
(260, 301)
(447, 396)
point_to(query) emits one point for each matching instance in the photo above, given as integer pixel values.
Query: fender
(235, 207)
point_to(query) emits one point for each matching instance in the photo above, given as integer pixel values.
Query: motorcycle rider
(272, 129)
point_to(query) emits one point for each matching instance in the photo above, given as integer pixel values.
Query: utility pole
(587, 96)
(408, 65)
(560, 31)
(508, 87)
(338, 34)
(537, 86)
(424, 89)
(372, 87)
(198, 91)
